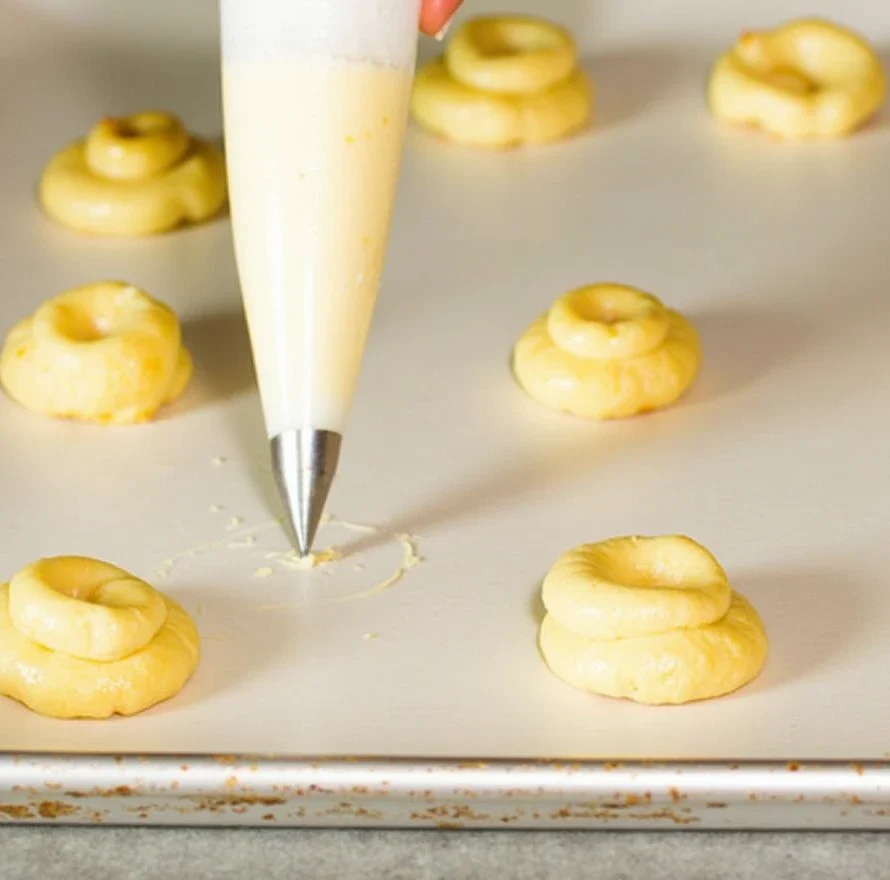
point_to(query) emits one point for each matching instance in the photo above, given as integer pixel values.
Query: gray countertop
(146, 854)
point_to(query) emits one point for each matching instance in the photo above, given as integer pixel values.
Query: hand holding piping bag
(435, 15)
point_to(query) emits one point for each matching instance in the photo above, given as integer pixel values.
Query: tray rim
(392, 792)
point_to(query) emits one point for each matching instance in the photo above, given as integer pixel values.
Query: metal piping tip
(304, 463)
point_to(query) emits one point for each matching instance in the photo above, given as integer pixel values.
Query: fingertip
(436, 15)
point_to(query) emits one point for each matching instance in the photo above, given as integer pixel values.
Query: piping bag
(315, 97)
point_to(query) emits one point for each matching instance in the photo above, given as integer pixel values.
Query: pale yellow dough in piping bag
(80, 638)
(607, 351)
(649, 619)
(807, 79)
(105, 352)
(135, 175)
(504, 82)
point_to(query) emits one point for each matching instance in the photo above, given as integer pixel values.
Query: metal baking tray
(776, 461)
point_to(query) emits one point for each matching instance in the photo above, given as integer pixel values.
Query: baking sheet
(776, 461)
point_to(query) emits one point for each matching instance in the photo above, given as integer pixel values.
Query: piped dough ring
(607, 321)
(135, 147)
(85, 608)
(55, 684)
(673, 667)
(475, 118)
(649, 619)
(630, 587)
(510, 55)
(610, 387)
(94, 185)
(105, 352)
(806, 79)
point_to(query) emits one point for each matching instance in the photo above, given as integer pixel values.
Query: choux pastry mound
(504, 82)
(649, 619)
(81, 638)
(137, 175)
(807, 79)
(106, 352)
(607, 351)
